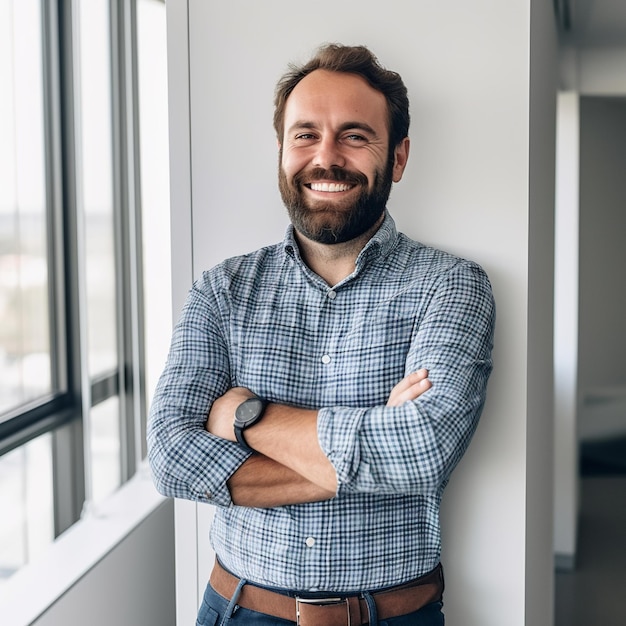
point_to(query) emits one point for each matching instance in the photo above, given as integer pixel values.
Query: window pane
(96, 173)
(105, 448)
(24, 332)
(26, 495)
(155, 192)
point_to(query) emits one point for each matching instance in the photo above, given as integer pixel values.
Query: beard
(334, 222)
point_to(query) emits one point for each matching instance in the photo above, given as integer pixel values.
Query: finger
(401, 387)
(408, 393)
(406, 383)
(414, 391)
(409, 380)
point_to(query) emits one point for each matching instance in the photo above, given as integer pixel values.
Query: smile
(330, 187)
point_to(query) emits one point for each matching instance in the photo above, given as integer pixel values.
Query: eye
(305, 137)
(355, 138)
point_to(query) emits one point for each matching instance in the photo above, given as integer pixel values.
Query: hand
(222, 413)
(410, 387)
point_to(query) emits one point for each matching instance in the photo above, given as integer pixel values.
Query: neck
(334, 262)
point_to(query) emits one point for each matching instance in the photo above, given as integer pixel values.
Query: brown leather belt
(337, 609)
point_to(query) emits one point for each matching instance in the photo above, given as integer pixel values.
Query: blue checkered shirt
(266, 322)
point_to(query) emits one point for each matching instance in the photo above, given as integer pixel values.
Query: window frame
(65, 412)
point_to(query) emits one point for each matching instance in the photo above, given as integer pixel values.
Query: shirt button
(310, 542)
(332, 294)
(326, 359)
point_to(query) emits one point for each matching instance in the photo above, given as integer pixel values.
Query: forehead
(324, 97)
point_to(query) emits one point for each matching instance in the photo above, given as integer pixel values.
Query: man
(342, 371)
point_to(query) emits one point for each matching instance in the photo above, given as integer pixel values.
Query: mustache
(335, 174)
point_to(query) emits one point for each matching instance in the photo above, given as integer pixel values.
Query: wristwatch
(249, 412)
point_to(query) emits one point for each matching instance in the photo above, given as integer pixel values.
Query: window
(26, 489)
(24, 332)
(81, 80)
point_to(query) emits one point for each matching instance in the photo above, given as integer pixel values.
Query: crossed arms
(290, 466)
(407, 446)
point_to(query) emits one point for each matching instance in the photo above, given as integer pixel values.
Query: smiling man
(320, 391)
(336, 162)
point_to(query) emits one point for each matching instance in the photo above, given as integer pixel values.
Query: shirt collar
(379, 246)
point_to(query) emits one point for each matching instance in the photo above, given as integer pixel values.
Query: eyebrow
(352, 125)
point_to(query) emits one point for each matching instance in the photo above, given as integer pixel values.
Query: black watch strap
(248, 413)
(241, 439)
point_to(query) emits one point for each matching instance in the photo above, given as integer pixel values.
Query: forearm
(262, 482)
(183, 460)
(413, 447)
(293, 468)
(397, 450)
(288, 435)
(407, 449)
(186, 461)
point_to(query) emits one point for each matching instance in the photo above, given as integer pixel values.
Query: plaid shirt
(265, 321)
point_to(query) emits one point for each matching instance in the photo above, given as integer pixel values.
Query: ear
(401, 156)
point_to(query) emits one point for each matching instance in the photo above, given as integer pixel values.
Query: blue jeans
(214, 611)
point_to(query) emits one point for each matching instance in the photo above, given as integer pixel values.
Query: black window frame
(64, 413)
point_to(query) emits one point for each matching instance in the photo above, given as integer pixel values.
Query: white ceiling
(595, 23)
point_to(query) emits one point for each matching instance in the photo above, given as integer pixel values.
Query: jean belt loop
(371, 609)
(232, 605)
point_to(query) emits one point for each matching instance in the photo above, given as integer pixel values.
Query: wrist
(247, 414)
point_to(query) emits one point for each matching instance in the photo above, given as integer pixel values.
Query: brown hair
(351, 60)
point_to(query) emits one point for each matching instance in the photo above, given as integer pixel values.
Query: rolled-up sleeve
(186, 460)
(412, 449)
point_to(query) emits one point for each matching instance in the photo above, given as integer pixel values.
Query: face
(336, 168)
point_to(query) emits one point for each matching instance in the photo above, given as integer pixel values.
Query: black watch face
(248, 412)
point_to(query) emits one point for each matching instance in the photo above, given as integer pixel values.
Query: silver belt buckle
(320, 602)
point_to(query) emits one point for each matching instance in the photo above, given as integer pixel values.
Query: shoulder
(241, 272)
(443, 278)
(423, 260)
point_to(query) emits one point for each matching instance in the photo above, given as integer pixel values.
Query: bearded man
(319, 392)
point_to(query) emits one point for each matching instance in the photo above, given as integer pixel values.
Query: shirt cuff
(337, 432)
(214, 487)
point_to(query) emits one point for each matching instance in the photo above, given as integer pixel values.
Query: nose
(328, 153)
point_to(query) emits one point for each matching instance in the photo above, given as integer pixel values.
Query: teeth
(330, 187)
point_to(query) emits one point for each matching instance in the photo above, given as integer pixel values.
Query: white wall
(133, 584)
(483, 111)
(114, 566)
